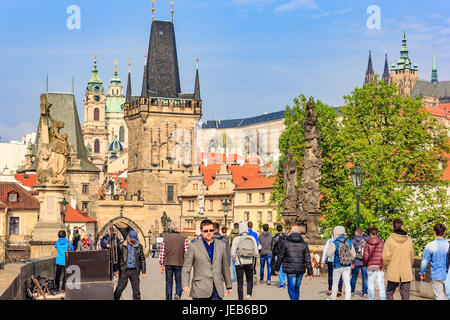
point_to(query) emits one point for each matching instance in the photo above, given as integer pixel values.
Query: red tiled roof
(73, 215)
(28, 180)
(243, 173)
(25, 200)
(442, 110)
(256, 182)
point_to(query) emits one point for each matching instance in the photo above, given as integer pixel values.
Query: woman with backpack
(244, 250)
(344, 253)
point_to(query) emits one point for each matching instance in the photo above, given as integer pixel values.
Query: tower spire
(370, 75)
(95, 84)
(128, 97)
(197, 85)
(144, 81)
(434, 71)
(153, 10)
(386, 73)
(172, 11)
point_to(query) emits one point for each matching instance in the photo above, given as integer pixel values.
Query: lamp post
(226, 207)
(64, 204)
(357, 180)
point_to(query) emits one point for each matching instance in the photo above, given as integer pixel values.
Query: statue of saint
(201, 201)
(164, 222)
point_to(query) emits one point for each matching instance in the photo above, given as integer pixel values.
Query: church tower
(370, 75)
(161, 126)
(434, 72)
(115, 100)
(404, 73)
(95, 133)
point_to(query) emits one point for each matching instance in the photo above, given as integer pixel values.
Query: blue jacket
(336, 254)
(325, 258)
(62, 246)
(254, 235)
(355, 241)
(436, 253)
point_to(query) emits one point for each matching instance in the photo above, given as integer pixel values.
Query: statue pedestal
(45, 232)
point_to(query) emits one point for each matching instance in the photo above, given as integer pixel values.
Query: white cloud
(15, 131)
(295, 4)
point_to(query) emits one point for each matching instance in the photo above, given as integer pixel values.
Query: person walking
(62, 246)
(217, 235)
(265, 239)
(344, 253)
(447, 281)
(110, 242)
(398, 258)
(244, 251)
(233, 234)
(359, 241)
(295, 256)
(76, 239)
(171, 259)
(85, 243)
(254, 235)
(436, 253)
(330, 263)
(276, 242)
(373, 261)
(131, 264)
(208, 258)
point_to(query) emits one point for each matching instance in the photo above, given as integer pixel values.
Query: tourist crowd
(206, 267)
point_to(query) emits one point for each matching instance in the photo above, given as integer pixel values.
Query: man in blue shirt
(254, 235)
(436, 253)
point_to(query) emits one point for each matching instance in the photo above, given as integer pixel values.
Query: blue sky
(255, 55)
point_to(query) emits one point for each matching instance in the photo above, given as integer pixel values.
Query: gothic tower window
(96, 114)
(122, 134)
(97, 146)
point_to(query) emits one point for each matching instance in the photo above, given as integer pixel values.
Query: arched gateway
(124, 225)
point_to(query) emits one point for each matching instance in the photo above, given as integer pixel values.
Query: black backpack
(277, 244)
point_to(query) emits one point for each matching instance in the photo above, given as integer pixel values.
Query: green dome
(115, 146)
(114, 104)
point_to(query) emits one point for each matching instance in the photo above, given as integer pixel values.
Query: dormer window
(176, 103)
(165, 103)
(154, 102)
(13, 197)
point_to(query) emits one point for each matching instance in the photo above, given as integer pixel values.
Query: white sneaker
(248, 297)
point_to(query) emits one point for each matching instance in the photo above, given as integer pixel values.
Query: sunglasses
(208, 231)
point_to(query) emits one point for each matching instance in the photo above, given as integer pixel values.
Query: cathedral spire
(153, 10)
(434, 72)
(128, 97)
(386, 73)
(172, 11)
(144, 80)
(197, 85)
(95, 84)
(370, 75)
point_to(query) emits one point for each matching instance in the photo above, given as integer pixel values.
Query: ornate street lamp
(357, 180)
(64, 204)
(226, 207)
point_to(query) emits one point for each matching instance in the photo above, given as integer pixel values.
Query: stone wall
(15, 278)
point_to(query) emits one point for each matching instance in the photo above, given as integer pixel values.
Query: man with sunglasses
(209, 260)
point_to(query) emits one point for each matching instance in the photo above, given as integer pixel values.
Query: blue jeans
(294, 281)
(377, 276)
(355, 273)
(262, 260)
(234, 270)
(172, 271)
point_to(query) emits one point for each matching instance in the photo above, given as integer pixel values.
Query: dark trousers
(123, 282)
(60, 270)
(214, 296)
(404, 290)
(173, 272)
(330, 278)
(246, 269)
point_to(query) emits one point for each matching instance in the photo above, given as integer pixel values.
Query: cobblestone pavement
(153, 288)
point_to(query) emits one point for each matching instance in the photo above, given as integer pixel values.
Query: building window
(249, 197)
(269, 216)
(122, 134)
(85, 206)
(165, 103)
(170, 193)
(96, 114)
(259, 216)
(262, 197)
(96, 146)
(247, 216)
(176, 103)
(191, 205)
(211, 205)
(12, 197)
(85, 188)
(14, 226)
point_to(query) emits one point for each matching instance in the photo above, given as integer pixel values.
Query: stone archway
(124, 225)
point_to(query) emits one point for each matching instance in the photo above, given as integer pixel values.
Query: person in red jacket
(373, 260)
